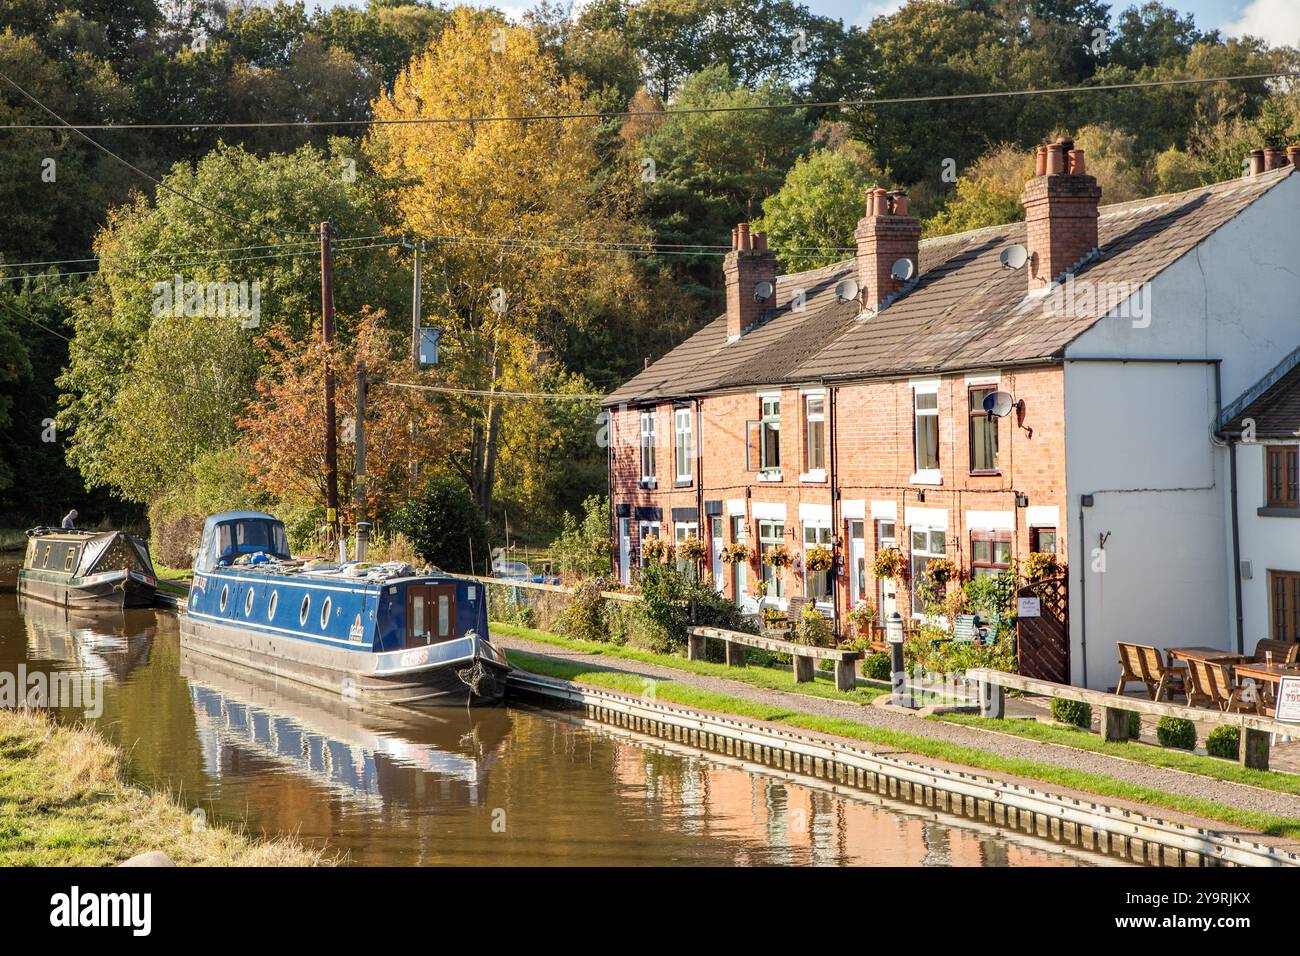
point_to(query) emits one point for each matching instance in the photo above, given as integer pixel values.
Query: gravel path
(1171, 781)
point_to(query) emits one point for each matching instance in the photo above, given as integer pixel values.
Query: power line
(191, 252)
(64, 124)
(488, 393)
(678, 111)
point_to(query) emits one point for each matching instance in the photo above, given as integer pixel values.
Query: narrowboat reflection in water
(379, 633)
(110, 644)
(85, 569)
(316, 734)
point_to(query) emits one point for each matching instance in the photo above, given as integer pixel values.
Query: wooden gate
(1043, 642)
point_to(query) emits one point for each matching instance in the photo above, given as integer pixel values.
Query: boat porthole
(325, 614)
(248, 604)
(270, 608)
(306, 605)
(225, 593)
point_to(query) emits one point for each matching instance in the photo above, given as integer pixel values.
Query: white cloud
(876, 8)
(1277, 21)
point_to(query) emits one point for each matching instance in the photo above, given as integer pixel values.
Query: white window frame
(683, 445)
(775, 593)
(644, 529)
(690, 528)
(769, 422)
(648, 449)
(915, 553)
(821, 534)
(809, 417)
(926, 476)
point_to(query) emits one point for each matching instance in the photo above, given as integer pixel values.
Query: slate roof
(963, 311)
(1276, 410)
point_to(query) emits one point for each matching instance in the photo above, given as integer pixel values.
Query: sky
(1277, 21)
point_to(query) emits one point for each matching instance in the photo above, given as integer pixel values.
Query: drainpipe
(1085, 501)
(701, 519)
(615, 551)
(1236, 545)
(835, 516)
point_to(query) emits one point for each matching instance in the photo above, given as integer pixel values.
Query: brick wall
(873, 463)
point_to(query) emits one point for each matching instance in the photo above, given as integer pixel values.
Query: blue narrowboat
(374, 633)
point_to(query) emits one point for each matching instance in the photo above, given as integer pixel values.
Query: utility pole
(418, 246)
(363, 526)
(327, 337)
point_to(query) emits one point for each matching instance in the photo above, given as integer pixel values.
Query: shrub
(1040, 566)
(174, 535)
(445, 525)
(584, 617)
(1134, 724)
(669, 600)
(863, 618)
(814, 630)
(1223, 742)
(1074, 712)
(877, 666)
(1176, 732)
(584, 548)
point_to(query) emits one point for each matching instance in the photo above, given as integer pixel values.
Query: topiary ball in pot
(1176, 732)
(1223, 742)
(1074, 712)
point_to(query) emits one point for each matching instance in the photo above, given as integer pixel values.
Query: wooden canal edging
(1255, 729)
(1117, 832)
(804, 655)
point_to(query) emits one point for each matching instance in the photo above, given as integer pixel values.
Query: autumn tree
(511, 209)
(283, 429)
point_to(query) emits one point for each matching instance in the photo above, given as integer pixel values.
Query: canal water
(506, 785)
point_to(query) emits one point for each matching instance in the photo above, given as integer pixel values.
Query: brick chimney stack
(885, 235)
(1060, 212)
(748, 264)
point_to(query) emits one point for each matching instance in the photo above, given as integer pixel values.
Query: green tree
(445, 524)
(584, 548)
(818, 206)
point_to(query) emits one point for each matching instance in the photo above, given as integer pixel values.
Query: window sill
(683, 483)
(927, 477)
(986, 474)
(774, 475)
(649, 484)
(816, 475)
(1274, 512)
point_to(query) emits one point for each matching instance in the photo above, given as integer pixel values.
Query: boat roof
(223, 516)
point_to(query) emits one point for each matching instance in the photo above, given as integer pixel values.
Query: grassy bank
(769, 678)
(1099, 784)
(1148, 754)
(63, 802)
(13, 539)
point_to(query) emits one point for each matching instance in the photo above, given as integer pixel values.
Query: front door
(625, 550)
(430, 613)
(857, 561)
(716, 544)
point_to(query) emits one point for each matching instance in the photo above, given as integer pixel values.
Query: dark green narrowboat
(87, 569)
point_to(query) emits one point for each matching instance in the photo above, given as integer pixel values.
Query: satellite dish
(902, 269)
(999, 404)
(847, 290)
(1013, 257)
(763, 291)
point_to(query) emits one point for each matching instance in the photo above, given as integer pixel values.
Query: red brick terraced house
(844, 407)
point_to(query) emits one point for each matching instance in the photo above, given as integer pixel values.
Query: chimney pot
(886, 234)
(1055, 160)
(1273, 159)
(760, 242)
(898, 206)
(1256, 162)
(1293, 155)
(1040, 160)
(1076, 163)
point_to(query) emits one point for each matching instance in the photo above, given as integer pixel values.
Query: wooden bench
(805, 656)
(1284, 652)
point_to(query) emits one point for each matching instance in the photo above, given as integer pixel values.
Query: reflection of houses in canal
(774, 821)
(397, 756)
(110, 644)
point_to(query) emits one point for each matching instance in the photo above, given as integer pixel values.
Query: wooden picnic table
(1268, 675)
(1205, 654)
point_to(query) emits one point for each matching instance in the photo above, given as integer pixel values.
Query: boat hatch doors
(430, 613)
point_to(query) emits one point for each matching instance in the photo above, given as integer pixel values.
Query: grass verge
(63, 802)
(1099, 784)
(1142, 753)
(767, 678)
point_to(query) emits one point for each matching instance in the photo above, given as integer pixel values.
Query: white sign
(1029, 607)
(1288, 699)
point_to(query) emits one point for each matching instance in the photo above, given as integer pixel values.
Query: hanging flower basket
(940, 570)
(691, 549)
(735, 554)
(655, 549)
(778, 556)
(818, 558)
(888, 564)
(1040, 565)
